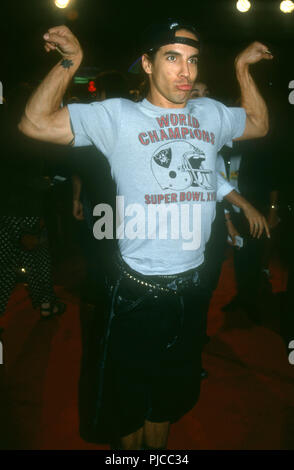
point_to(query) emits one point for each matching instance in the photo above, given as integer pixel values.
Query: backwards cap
(161, 34)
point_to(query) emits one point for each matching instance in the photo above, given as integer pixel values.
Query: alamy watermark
(291, 94)
(291, 355)
(151, 222)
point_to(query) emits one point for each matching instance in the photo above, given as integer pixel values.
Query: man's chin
(180, 98)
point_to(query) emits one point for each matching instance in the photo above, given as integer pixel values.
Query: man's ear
(146, 64)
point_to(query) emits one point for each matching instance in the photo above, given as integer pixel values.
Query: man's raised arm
(43, 118)
(257, 124)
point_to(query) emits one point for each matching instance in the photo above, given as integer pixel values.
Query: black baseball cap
(160, 34)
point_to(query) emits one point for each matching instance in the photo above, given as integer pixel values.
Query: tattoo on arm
(66, 63)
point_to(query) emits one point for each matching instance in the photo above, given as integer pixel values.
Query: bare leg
(132, 441)
(156, 434)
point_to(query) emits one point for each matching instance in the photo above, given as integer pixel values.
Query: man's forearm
(251, 99)
(235, 198)
(43, 117)
(76, 187)
(47, 98)
(256, 220)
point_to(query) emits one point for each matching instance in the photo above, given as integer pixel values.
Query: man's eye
(193, 60)
(171, 58)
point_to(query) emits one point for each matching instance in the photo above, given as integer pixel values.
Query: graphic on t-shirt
(179, 165)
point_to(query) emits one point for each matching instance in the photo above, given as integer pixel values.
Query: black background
(109, 31)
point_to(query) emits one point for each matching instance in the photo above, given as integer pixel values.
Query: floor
(247, 401)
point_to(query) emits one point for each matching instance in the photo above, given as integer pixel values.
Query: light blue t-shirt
(163, 162)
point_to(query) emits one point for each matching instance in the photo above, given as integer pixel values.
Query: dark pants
(248, 263)
(248, 269)
(150, 358)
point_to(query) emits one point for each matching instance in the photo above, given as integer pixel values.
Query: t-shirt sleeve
(220, 165)
(96, 124)
(232, 124)
(223, 187)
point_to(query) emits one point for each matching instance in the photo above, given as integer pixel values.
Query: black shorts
(153, 361)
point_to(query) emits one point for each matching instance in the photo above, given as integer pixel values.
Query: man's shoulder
(118, 103)
(109, 103)
(208, 108)
(212, 107)
(206, 102)
(112, 109)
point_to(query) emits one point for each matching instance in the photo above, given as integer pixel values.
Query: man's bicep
(60, 129)
(250, 131)
(55, 129)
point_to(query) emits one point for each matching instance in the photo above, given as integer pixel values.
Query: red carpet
(247, 402)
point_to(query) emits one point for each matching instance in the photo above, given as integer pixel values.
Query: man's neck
(162, 102)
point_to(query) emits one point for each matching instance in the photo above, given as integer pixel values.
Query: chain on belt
(173, 283)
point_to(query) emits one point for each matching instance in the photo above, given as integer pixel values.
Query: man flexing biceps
(153, 340)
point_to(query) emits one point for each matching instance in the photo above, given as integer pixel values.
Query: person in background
(252, 169)
(223, 228)
(24, 246)
(199, 90)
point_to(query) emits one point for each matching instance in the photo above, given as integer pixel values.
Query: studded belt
(169, 283)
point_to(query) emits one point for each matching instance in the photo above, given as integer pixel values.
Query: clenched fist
(63, 40)
(253, 54)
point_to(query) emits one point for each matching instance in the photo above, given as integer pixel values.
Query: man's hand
(257, 221)
(253, 54)
(63, 40)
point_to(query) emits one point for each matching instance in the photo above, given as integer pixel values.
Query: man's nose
(185, 70)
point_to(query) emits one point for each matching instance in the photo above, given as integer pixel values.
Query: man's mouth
(184, 87)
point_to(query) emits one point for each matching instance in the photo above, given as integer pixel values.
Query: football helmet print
(178, 165)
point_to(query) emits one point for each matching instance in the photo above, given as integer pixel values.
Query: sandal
(61, 307)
